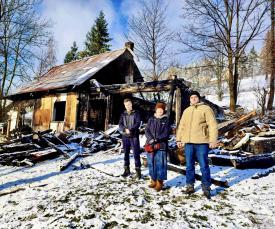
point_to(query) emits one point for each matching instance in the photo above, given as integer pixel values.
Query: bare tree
(272, 76)
(231, 24)
(265, 56)
(261, 95)
(22, 32)
(151, 34)
(47, 58)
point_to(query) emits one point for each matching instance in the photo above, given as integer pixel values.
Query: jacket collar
(197, 104)
(163, 116)
(131, 112)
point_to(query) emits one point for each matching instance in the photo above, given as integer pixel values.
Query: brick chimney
(130, 45)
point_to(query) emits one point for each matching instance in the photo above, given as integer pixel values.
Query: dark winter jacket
(158, 131)
(129, 121)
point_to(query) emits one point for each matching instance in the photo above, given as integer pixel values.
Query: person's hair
(127, 100)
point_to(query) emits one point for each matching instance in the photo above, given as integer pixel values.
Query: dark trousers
(201, 153)
(133, 143)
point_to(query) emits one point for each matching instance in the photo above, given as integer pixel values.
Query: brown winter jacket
(197, 125)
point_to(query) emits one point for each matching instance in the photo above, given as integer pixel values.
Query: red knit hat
(161, 105)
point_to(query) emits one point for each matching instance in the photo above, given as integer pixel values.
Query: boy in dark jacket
(157, 133)
(129, 128)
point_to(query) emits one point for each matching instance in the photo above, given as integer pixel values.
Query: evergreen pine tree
(72, 54)
(252, 61)
(98, 38)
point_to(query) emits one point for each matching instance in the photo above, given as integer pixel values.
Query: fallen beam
(180, 170)
(70, 161)
(153, 86)
(261, 161)
(235, 124)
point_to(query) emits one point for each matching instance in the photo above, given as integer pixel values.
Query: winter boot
(206, 192)
(152, 184)
(189, 189)
(138, 174)
(159, 185)
(126, 171)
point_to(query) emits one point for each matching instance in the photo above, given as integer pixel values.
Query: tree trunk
(231, 82)
(272, 76)
(236, 78)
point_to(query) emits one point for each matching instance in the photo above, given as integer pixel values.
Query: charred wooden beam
(153, 86)
(236, 124)
(197, 176)
(257, 161)
(70, 161)
(178, 106)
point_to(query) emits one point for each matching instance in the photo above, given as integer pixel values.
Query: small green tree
(72, 54)
(252, 61)
(97, 39)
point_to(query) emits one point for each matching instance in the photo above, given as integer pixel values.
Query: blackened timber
(178, 106)
(152, 86)
(70, 161)
(171, 98)
(237, 123)
(197, 176)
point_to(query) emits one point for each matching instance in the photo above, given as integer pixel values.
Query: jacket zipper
(191, 124)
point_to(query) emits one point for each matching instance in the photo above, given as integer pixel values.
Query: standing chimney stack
(130, 45)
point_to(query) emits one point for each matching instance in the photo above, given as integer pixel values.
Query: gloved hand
(156, 146)
(149, 148)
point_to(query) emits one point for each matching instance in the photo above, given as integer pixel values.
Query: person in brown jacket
(197, 132)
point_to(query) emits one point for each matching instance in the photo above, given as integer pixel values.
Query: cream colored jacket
(197, 125)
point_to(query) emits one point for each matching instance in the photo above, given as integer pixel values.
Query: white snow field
(98, 197)
(246, 97)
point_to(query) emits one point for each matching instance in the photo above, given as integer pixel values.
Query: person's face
(128, 106)
(159, 112)
(194, 99)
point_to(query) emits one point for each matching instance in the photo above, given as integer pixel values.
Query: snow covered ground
(247, 97)
(97, 197)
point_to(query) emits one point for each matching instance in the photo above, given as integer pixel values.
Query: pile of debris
(39, 146)
(246, 142)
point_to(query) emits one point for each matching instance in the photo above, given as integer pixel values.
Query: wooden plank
(259, 145)
(153, 86)
(178, 106)
(236, 124)
(70, 161)
(197, 176)
(258, 161)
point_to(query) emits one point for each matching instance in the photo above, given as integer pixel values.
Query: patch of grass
(167, 215)
(162, 203)
(70, 211)
(110, 225)
(206, 206)
(41, 207)
(28, 217)
(12, 202)
(201, 217)
(89, 216)
(265, 187)
(224, 195)
(147, 217)
(224, 225)
(75, 219)
(245, 224)
(253, 220)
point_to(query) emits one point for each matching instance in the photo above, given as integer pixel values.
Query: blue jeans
(133, 143)
(201, 153)
(157, 163)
